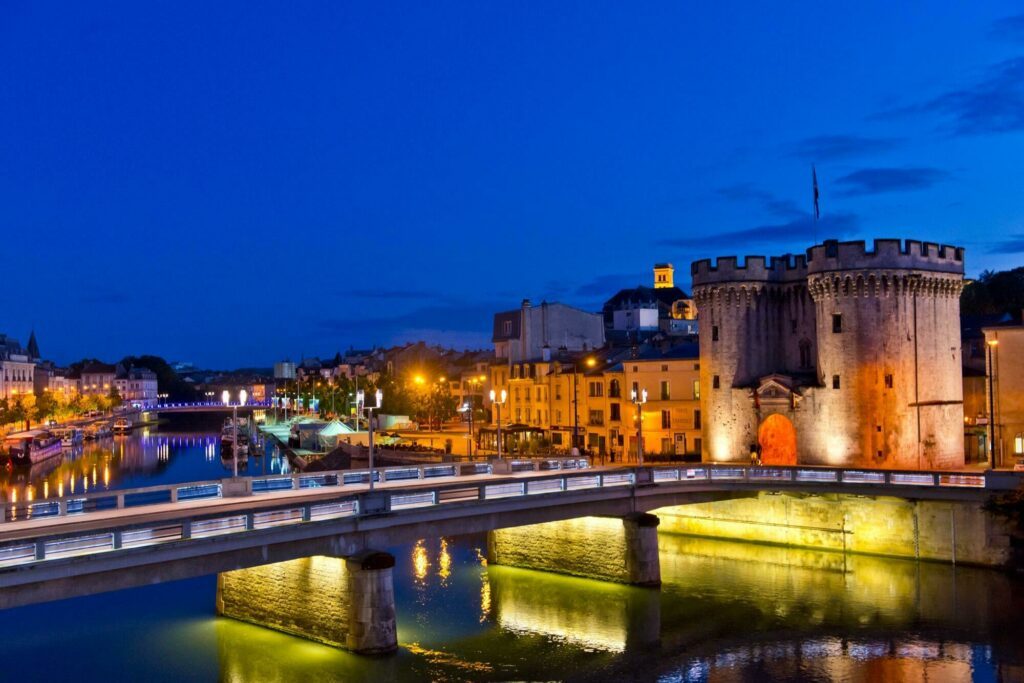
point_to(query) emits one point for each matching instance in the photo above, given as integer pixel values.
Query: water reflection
(144, 458)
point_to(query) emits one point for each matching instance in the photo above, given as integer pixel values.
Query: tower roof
(33, 346)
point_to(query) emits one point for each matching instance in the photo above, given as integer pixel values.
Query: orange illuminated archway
(777, 437)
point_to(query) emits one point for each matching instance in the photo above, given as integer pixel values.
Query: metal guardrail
(572, 476)
(98, 501)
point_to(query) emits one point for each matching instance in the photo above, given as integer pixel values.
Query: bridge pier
(343, 602)
(618, 549)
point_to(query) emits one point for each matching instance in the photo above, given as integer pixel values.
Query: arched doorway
(777, 437)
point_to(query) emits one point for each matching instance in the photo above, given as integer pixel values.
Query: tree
(47, 405)
(995, 293)
(114, 397)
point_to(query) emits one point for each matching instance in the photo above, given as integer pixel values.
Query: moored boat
(122, 425)
(32, 446)
(69, 436)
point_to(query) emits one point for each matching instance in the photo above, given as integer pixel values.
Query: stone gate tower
(840, 356)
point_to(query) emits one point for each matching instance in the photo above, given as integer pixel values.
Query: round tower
(888, 355)
(745, 314)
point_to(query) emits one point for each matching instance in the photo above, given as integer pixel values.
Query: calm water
(146, 457)
(727, 612)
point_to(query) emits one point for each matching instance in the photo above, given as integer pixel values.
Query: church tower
(663, 276)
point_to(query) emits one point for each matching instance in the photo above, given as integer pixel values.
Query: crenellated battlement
(831, 255)
(785, 268)
(892, 254)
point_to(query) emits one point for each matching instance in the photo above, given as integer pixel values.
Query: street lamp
(638, 401)
(992, 343)
(467, 407)
(499, 404)
(360, 398)
(226, 397)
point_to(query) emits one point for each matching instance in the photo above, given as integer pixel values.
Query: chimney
(545, 353)
(526, 303)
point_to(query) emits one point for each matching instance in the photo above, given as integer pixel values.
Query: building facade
(841, 356)
(17, 369)
(1003, 399)
(137, 387)
(523, 334)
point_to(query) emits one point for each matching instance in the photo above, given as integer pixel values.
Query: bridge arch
(777, 438)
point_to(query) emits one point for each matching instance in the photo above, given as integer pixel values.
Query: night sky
(231, 183)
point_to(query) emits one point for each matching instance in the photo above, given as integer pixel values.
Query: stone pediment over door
(774, 392)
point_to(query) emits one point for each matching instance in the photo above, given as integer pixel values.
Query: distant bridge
(82, 544)
(206, 407)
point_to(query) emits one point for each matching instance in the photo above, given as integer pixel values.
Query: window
(597, 417)
(714, 382)
(837, 323)
(636, 389)
(664, 368)
(696, 419)
(517, 397)
(556, 438)
(558, 392)
(515, 372)
(665, 393)
(696, 366)
(614, 390)
(596, 389)
(614, 412)
(538, 397)
(696, 389)
(835, 381)
(714, 333)
(1018, 444)
(507, 327)
(558, 417)
(666, 419)
(888, 381)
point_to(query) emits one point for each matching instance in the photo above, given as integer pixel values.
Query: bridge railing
(992, 480)
(137, 498)
(242, 515)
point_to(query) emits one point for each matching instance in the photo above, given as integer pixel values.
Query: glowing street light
(360, 401)
(499, 404)
(638, 401)
(992, 343)
(226, 398)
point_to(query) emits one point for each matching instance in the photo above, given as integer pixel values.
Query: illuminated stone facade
(856, 350)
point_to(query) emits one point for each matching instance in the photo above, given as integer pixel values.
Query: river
(726, 612)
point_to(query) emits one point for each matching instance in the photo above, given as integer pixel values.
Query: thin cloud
(1014, 244)
(1008, 28)
(606, 285)
(775, 206)
(880, 180)
(993, 104)
(799, 230)
(832, 147)
(393, 294)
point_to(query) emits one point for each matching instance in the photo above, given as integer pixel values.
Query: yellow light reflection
(444, 561)
(420, 561)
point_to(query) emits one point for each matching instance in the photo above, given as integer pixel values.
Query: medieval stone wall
(884, 390)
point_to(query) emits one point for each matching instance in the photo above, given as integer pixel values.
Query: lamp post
(992, 343)
(499, 404)
(467, 407)
(639, 401)
(360, 401)
(590, 362)
(226, 397)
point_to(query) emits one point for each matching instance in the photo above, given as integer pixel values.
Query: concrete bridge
(297, 530)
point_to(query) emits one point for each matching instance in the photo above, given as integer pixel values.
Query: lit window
(1018, 444)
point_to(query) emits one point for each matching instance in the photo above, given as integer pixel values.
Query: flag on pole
(814, 178)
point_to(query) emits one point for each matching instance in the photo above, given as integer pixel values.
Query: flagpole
(817, 210)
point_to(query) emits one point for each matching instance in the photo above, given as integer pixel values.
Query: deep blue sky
(232, 182)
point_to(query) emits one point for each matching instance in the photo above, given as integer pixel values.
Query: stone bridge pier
(346, 602)
(619, 549)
